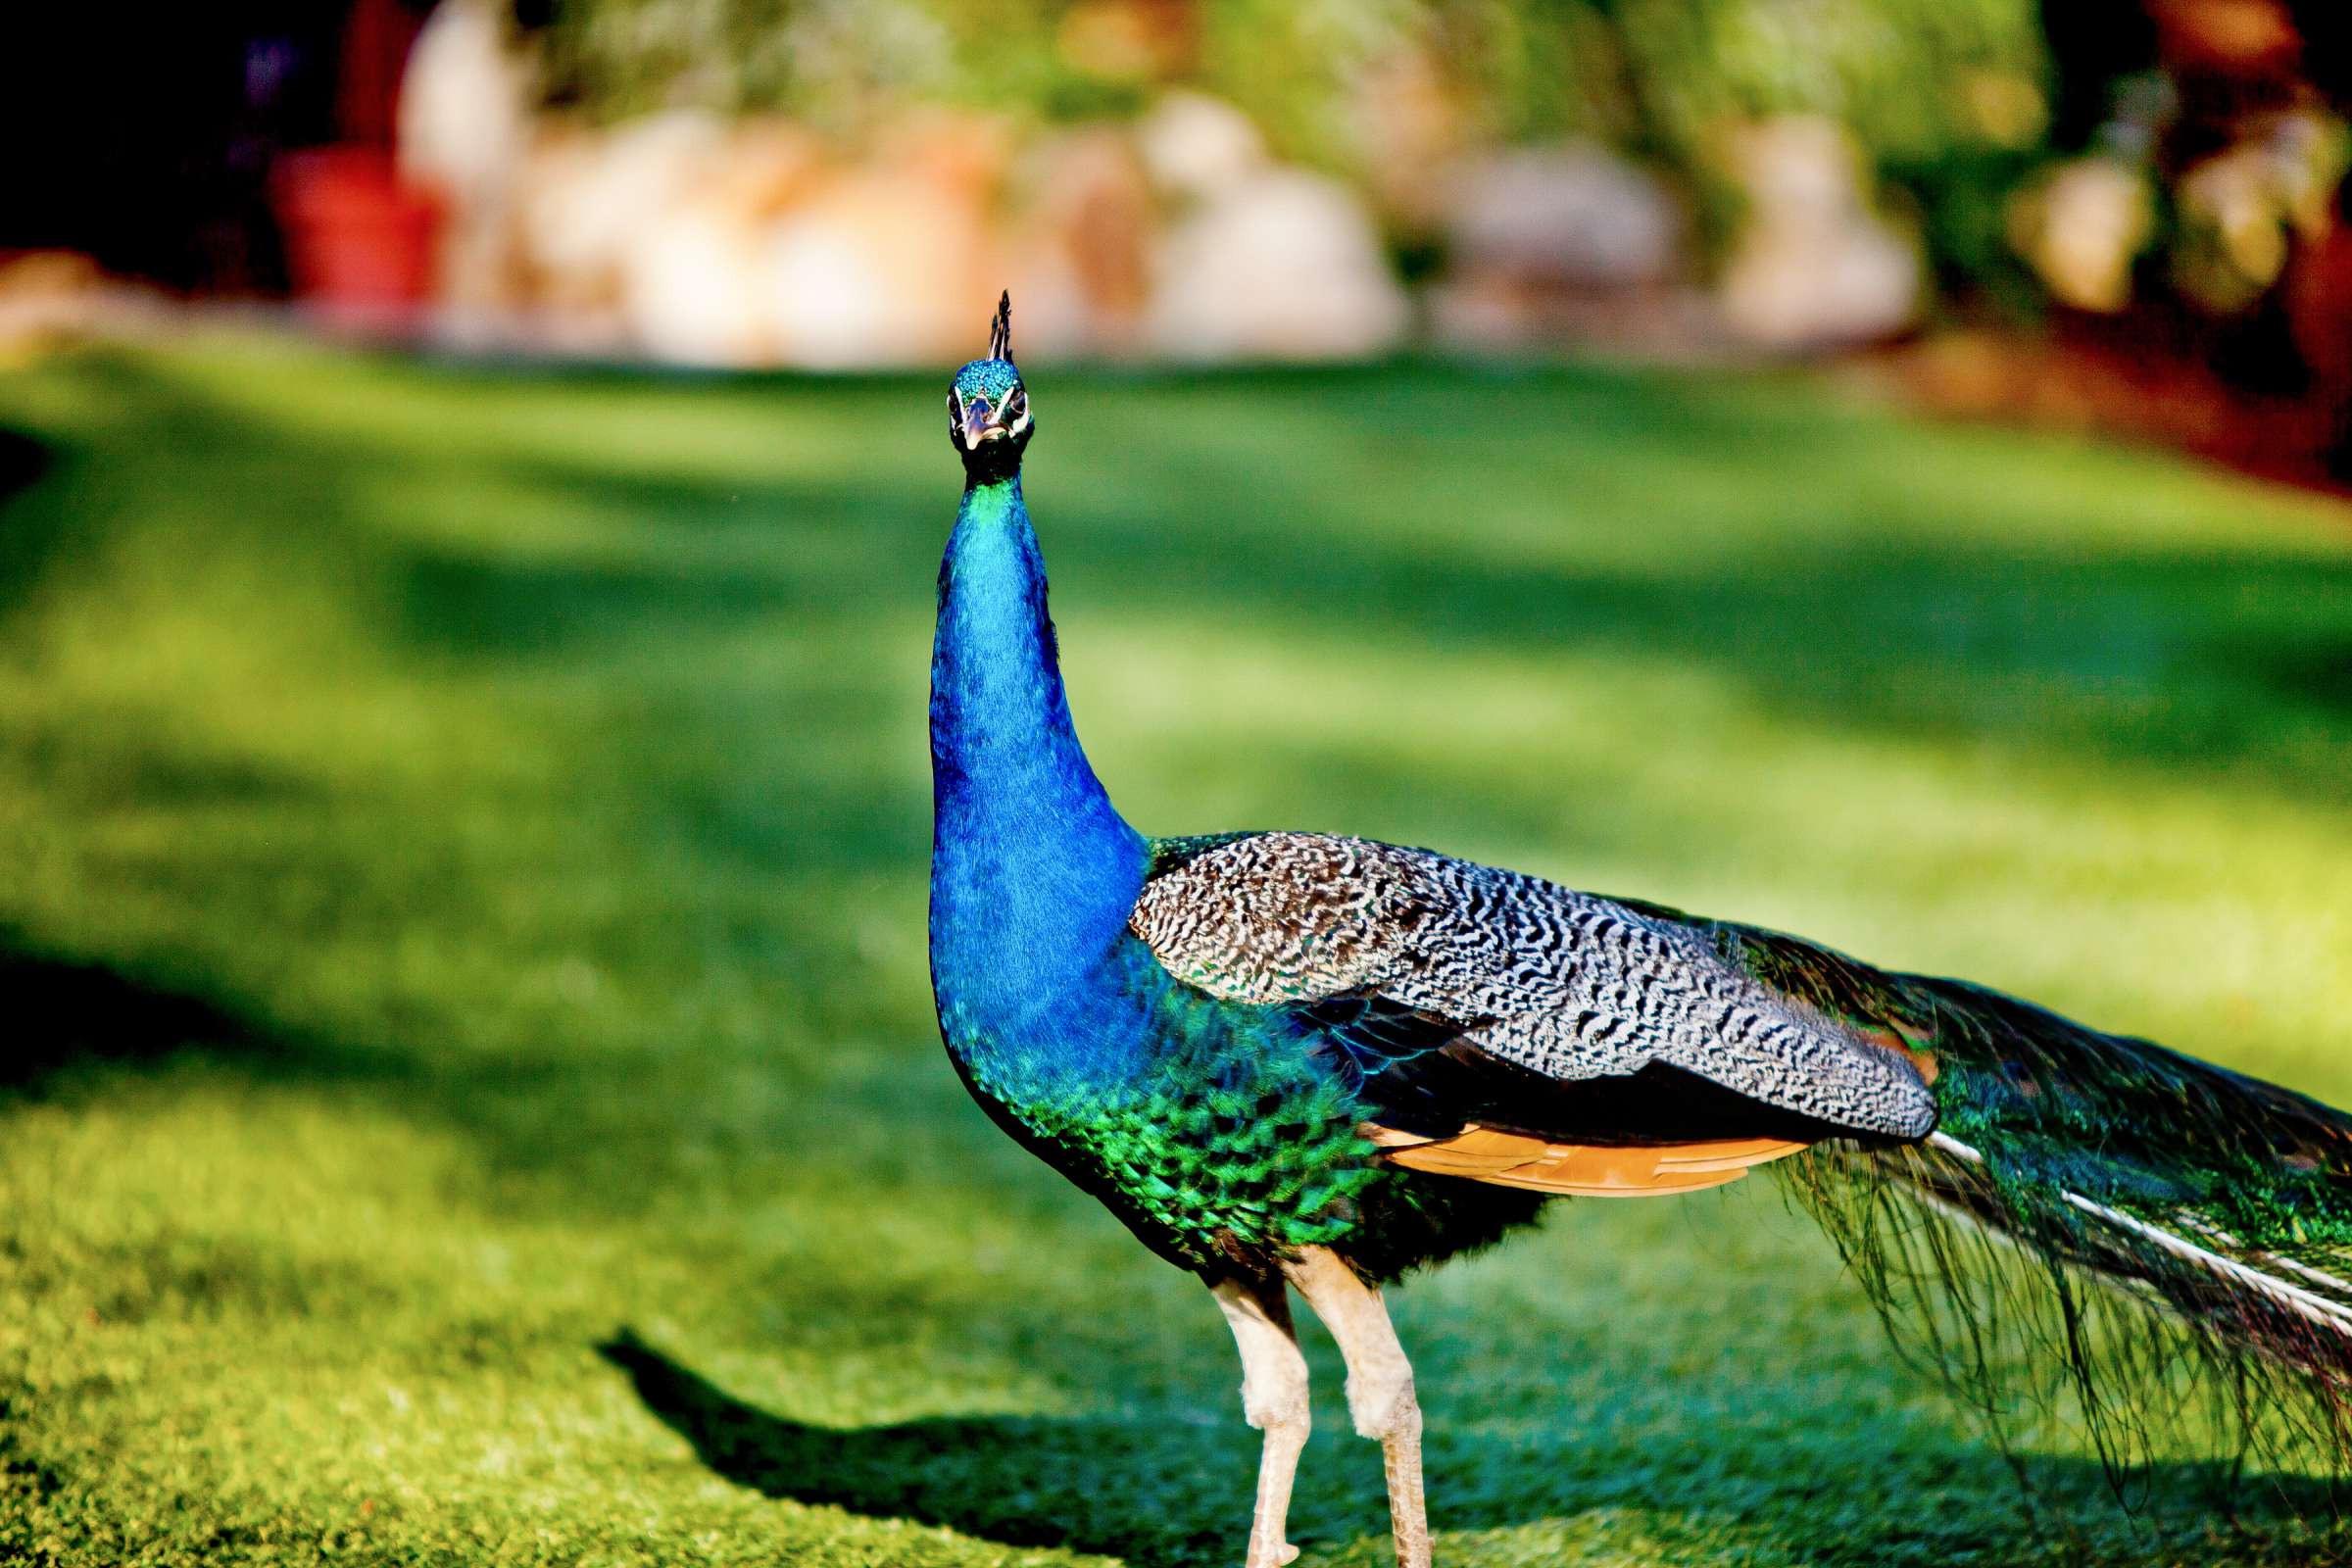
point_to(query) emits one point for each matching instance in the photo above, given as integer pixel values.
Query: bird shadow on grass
(1018, 1481)
(69, 1013)
(72, 1019)
(29, 536)
(1176, 1491)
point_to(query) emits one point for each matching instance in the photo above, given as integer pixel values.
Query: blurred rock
(694, 289)
(55, 298)
(696, 283)
(2082, 227)
(1676, 324)
(1281, 264)
(1813, 266)
(1081, 232)
(590, 197)
(704, 243)
(465, 133)
(754, 243)
(880, 269)
(1571, 244)
(1197, 146)
(893, 262)
(1571, 216)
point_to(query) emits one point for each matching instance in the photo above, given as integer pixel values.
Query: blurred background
(2120, 210)
(471, 499)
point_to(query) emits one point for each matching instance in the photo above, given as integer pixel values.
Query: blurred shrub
(1911, 78)
(1948, 97)
(1948, 101)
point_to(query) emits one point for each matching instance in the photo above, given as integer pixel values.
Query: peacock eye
(1017, 404)
(953, 406)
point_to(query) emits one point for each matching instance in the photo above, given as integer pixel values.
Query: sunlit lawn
(468, 1087)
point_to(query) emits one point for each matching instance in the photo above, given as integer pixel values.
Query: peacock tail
(2096, 1221)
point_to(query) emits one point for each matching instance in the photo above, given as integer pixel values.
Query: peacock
(1303, 1062)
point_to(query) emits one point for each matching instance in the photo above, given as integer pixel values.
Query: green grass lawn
(468, 1090)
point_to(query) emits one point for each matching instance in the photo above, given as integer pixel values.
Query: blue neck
(1033, 873)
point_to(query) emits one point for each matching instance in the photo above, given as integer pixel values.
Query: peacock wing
(1516, 1031)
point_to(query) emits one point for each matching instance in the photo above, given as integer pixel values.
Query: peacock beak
(980, 424)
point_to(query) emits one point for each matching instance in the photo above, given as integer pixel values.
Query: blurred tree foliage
(1913, 78)
(1948, 98)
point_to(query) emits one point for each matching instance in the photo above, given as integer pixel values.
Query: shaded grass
(473, 1097)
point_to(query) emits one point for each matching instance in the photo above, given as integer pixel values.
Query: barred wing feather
(1569, 986)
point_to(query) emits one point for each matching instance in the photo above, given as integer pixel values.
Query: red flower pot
(359, 241)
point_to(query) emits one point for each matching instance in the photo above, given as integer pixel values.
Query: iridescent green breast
(1225, 1133)
(1216, 1132)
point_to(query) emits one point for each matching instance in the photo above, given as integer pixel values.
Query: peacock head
(987, 408)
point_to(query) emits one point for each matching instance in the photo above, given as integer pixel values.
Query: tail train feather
(2213, 1211)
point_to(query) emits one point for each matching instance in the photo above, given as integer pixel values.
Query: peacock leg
(1274, 1400)
(1380, 1386)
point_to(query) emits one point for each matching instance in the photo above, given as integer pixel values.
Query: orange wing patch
(1585, 1170)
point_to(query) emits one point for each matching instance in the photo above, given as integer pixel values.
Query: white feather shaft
(2318, 1308)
